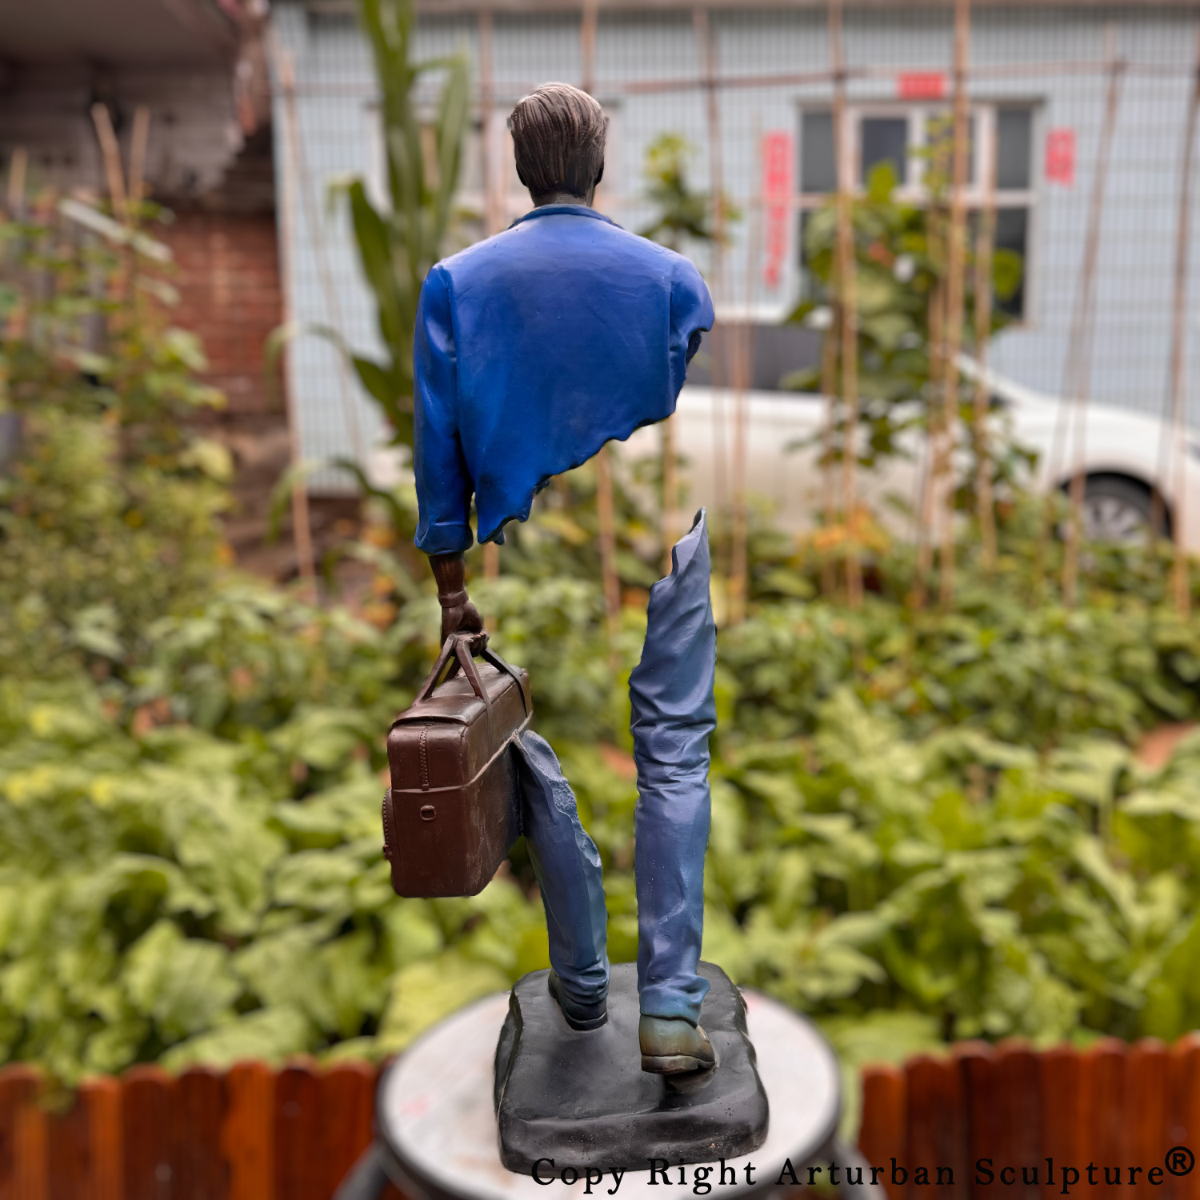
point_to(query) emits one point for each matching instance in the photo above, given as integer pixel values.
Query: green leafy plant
(925, 825)
(398, 244)
(900, 262)
(683, 212)
(109, 515)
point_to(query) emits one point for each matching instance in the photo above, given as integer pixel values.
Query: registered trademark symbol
(1180, 1160)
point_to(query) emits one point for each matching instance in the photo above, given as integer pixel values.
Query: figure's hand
(461, 618)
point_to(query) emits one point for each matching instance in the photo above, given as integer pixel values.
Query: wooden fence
(256, 1133)
(1121, 1108)
(249, 1133)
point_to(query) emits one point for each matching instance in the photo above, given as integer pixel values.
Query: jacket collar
(569, 210)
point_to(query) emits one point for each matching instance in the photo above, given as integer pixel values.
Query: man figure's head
(558, 138)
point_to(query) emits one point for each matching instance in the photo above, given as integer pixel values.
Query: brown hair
(558, 138)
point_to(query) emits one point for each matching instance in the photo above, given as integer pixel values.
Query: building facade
(749, 87)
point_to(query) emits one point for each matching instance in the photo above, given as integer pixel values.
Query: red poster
(777, 197)
(921, 85)
(1060, 156)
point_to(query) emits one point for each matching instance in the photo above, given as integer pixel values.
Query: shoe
(583, 1017)
(674, 1046)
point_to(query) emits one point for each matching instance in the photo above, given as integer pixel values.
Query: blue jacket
(532, 350)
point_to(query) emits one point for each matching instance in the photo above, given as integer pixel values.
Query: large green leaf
(184, 984)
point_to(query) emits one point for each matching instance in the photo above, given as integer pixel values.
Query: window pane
(818, 172)
(885, 139)
(1012, 233)
(1014, 141)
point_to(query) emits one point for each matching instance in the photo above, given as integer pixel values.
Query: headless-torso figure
(534, 348)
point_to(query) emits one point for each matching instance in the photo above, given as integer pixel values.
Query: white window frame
(918, 113)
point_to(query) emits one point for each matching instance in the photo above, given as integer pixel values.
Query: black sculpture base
(583, 1099)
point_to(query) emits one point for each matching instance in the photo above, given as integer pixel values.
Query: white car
(1121, 457)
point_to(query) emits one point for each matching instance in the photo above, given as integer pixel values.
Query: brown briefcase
(453, 812)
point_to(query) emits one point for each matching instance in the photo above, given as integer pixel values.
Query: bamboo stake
(927, 498)
(606, 517)
(1180, 582)
(301, 526)
(18, 168)
(847, 277)
(1080, 355)
(829, 364)
(985, 508)
(111, 153)
(954, 296)
(587, 44)
(514, 89)
(316, 233)
(706, 51)
(740, 332)
(605, 504)
(493, 217)
(670, 483)
(670, 452)
(739, 564)
(138, 144)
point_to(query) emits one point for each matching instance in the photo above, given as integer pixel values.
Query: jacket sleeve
(691, 314)
(444, 485)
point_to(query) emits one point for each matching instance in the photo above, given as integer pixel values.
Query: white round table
(437, 1126)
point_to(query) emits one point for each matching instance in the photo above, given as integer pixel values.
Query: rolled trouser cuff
(674, 1002)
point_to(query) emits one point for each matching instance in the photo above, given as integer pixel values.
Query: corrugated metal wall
(1051, 59)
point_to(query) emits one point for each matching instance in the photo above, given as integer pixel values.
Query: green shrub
(925, 825)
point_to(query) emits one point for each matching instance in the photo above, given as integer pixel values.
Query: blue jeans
(567, 865)
(674, 713)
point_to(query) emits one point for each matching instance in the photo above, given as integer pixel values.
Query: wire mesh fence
(1037, 91)
(750, 91)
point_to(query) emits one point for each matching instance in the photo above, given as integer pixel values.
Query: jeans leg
(674, 713)
(567, 865)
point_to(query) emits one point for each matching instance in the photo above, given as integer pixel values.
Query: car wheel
(1119, 510)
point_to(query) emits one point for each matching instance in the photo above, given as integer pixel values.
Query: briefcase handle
(458, 646)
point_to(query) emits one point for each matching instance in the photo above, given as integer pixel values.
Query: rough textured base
(583, 1099)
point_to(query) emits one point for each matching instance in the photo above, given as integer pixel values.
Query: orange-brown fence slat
(19, 1086)
(31, 1175)
(1185, 1113)
(248, 1131)
(67, 1138)
(1019, 1106)
(1104, 1109)
(298, 1173)
(937, 1143)
(1061, 1075)
(100, 1102)
(883, 1131)
(148, 1133)
(203, 1173)
(1147, 1117)
(347, 1107)
(977, 1062)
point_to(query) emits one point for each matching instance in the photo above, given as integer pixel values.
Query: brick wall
(227, 274)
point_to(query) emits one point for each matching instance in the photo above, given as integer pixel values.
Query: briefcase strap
(458, 648)
(491, 656)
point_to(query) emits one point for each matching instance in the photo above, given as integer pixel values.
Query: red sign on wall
(777, 202)
(921, 85)
(1060, 156)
